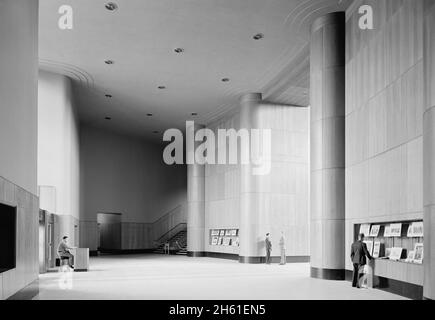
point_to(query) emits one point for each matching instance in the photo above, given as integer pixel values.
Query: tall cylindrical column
(429, 152)
(195, 196)
(249, 201)
(327, 97)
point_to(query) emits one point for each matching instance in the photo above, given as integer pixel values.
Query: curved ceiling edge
(69, 70)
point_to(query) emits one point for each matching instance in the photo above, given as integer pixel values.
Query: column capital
(337, 17)
(249, 97)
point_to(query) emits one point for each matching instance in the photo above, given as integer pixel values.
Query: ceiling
(217, 38)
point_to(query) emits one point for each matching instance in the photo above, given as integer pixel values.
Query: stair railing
(169, 234)
(169, 220)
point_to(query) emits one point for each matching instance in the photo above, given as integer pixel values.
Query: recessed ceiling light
(109, 62)
(161, 87)
(194, 114)
(179, 50)
(225, 79)
(108, 96)
(111, 6)
(149, 114)
(258, 36)
(108, 118)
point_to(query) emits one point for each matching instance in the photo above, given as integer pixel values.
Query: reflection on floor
(180, 277)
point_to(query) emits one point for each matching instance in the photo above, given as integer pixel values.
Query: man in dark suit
(358, 256)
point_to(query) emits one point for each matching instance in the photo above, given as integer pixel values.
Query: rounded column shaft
(195, 203)
(327, 97)
(249, 248)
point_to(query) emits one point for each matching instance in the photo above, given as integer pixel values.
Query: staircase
(177, 244)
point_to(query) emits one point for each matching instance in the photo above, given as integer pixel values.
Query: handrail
(159, 239)
(167, 214)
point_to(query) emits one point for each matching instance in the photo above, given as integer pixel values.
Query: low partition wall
(403, 278)
(398, 277)
(27, 219)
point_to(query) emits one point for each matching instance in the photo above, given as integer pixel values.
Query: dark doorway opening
(109, 232)
(8, 237)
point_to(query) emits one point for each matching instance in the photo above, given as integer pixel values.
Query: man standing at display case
(268, 248)
(358, 255)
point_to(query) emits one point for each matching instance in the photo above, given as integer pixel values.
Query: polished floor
(179, 277)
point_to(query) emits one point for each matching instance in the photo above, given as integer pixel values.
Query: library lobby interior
(206, 149)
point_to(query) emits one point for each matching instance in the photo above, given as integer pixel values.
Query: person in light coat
(282, 247)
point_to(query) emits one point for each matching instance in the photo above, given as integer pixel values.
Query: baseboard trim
(401, 288)
(195, 254)
(243, 259)
(27, 293)
(252, 260)
(328, 274)
(222, 255)
(348, 275)
(126, 251)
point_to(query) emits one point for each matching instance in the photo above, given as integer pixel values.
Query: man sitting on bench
(64, 253)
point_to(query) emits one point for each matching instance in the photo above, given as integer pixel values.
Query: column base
(243, 259)
(289, 259)
(195, 254)
(328, 274)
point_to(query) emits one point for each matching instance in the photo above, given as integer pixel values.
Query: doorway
(43, 259)
(109, 232)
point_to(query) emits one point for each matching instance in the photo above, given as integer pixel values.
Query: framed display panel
(409, 232)
(416, 229)
(214, 241)
(369, 245)
(214, 232)
(410, 257)
(365, 229)
(418, 253)
(235, 242)
(374, 230)
(387, 231)
(395, 253)
(395, 229)
(387, 252)
(377, 249)
(226, 241)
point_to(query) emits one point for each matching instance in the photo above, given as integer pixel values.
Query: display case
(398, 241)
(224, 237)
(398, 251)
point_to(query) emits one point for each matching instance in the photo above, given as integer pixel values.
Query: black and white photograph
(216, 158)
